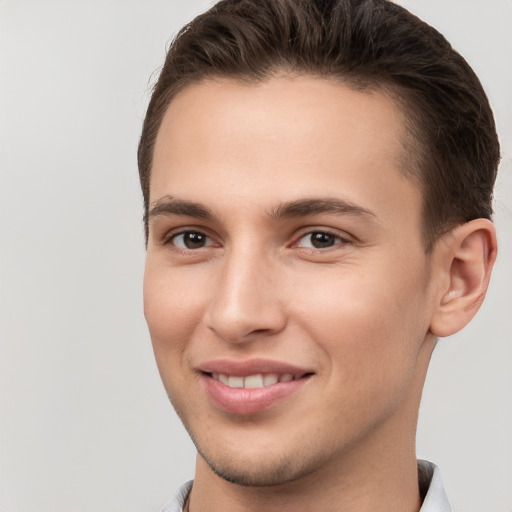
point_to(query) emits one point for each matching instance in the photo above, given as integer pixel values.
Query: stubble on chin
(271, 470)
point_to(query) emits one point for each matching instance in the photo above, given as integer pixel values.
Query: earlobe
(465, 262)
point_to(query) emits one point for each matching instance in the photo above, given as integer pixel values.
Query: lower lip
(248, 401)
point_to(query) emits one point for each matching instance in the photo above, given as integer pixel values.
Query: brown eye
(319, 240)
(191, 240)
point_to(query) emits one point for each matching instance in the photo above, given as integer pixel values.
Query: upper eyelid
(173, 232)
(295, 237)
(340, 243)
(206, 246)
(167, 242)
(342, 235)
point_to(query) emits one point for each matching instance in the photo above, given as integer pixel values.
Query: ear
(464, 263)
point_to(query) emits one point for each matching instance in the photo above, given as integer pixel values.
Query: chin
(260, 466)
(262, 473)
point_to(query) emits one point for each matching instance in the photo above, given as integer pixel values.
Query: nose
(247, 302)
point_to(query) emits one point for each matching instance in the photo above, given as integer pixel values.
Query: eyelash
(171, 238)
(338, 241)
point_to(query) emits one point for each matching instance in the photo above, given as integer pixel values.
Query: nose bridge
(247, 298)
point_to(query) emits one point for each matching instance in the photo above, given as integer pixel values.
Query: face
(286, 285)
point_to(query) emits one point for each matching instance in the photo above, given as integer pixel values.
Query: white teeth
(255, 381)
(270, 379)
(235, 382)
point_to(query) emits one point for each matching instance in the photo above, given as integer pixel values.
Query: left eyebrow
(305, 207)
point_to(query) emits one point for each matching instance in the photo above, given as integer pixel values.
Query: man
(317, 178)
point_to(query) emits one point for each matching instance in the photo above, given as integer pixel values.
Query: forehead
(280, 140)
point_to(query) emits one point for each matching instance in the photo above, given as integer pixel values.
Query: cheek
(173, 307)
(369, 326)
(371, 355)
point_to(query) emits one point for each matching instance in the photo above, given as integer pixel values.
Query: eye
(319, 240)
(191, 240)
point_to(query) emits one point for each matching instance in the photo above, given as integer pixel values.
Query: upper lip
(251, 367)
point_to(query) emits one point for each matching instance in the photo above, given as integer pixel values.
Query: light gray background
(85, 425)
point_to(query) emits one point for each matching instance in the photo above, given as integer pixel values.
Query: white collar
(431, 482)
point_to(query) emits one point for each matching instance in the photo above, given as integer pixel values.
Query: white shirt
(430, 483)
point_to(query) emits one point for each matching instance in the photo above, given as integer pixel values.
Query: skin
(361, 314)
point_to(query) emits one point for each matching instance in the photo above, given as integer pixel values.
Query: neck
(371, 487)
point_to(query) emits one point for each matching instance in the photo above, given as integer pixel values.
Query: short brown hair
(366, 44)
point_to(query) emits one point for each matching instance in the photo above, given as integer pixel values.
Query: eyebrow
(305, 207)
(169, 205)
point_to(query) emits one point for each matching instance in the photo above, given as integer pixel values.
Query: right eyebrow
(169, 205)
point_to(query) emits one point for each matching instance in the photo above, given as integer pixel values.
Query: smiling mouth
(258, 380)
(245, 391)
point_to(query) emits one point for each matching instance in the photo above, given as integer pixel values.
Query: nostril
(260, 331)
